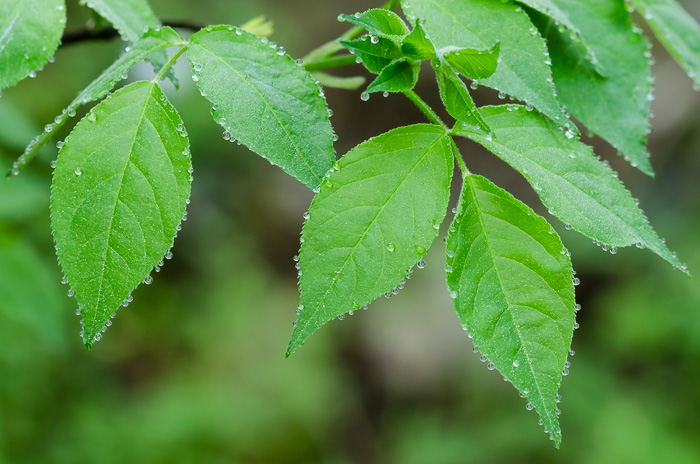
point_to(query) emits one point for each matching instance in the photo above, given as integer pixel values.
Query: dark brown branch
(111, 33)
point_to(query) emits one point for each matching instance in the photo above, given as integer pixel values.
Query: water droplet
(53, 164)
(565, 372)
(453, 294)
(70, 292)
(391, 247)
(490, 366)
(364, 96)
(78, 171)
(168, 255)
(64, 280)
(148, 280)
(529, 406)
(516, 363)
(420, 264)
(448, 268)
(91, 117)
(576, 281)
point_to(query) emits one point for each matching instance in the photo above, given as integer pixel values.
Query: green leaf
(130, 17)
(522, 73)
(562, 20)
(373, 219)
(615, 107)
(677, 30)
(118, 195)
(374, 56)
(264, 100)
(399, 76)
(577, 188)
(151, 42)
(379, 22)
(30, 31)
(456, 97)
(474, 64)
(511, 281)
(417, 45)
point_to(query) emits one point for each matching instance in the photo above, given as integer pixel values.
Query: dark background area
(193, 371)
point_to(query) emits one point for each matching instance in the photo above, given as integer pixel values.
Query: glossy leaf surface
(511, 281)
(373, 219)
(118, 195)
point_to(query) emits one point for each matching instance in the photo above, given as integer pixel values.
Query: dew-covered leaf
(522, 73)
(151, 42)
(557, 11)
(374, 56)
(399, 76)
(118, 195)
(572, 183)
(30, 31)
(677, 30)
(379, 22)
(416, 45)
(263, 99)
(616, 106)
(511, 281)
(474, 64)
(374, 218)
(456, 98)
(130, 17)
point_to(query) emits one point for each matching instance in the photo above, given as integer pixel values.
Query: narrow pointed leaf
(379, 22)
(677, 30)
(478, 24)
(456, 98)
(558, 12)
(572, 183)
(616, 107)
(399, 76)
(511, 281)
(373, 219)
(374, 56)
(417, 45)
(118, 195)
(130, 17)
(150, 43)
(474, 64)
(30, 31)
(264, 100)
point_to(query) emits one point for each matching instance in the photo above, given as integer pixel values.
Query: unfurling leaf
(511, 282)
(379, 22)
(399, 76)
(118, 195)
(374, 218)
(417, 45)
(474, 64)
(375, 54)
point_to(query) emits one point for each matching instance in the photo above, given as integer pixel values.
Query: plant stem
(172, 61)
(458, 155)
(332, 62)
(425, 108)
(435, 119)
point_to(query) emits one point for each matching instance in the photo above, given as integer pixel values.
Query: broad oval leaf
(511, 281)
(456, 98)
(616, 107)
(118, 195)
(399, 76)
(374, 218)
(572, 183)
(677, 30)
(264, 100)
(374, 56)
(379, 22)
(152, 41)
(130, 17)
(474, 64)
(522, 73)
(562, 21)
(30, 31)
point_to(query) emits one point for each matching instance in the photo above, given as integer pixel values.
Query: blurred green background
(193, 371)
